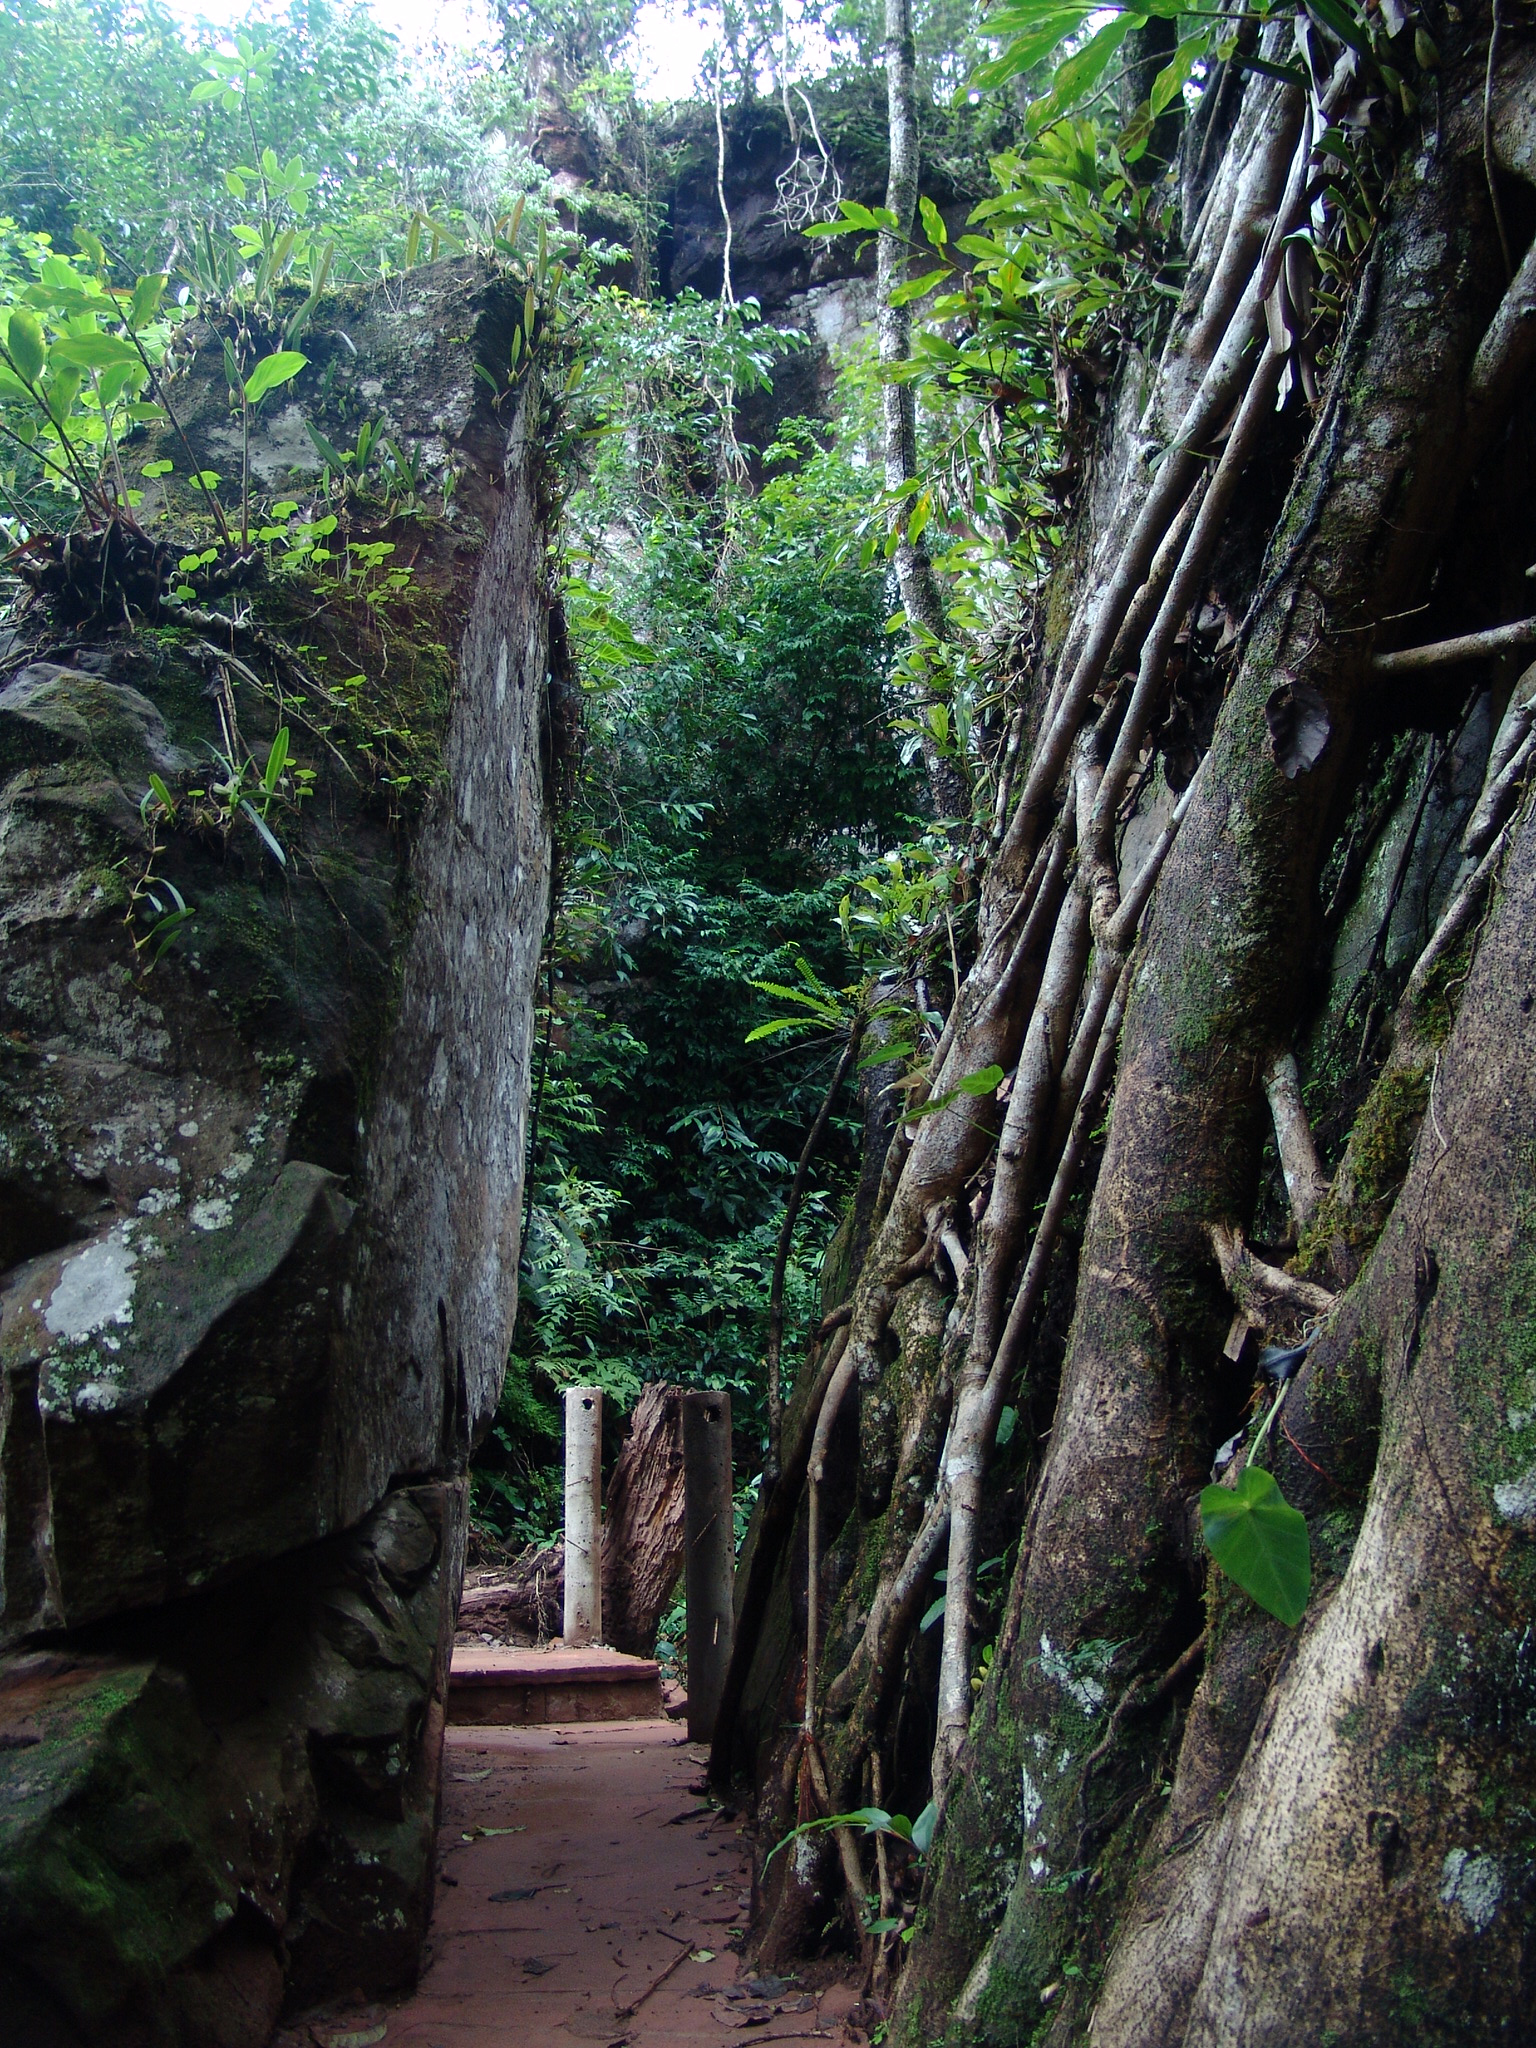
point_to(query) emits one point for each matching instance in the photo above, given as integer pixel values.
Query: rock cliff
(264, 1060)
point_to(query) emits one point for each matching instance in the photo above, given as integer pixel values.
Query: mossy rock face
(265, 1043)
(165, 1328)
(204, 1788)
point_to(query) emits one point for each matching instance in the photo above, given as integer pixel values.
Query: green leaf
(145, 303)
(923, 1827)
(1049, 28)
(984, 1083)
(1260, 1541)
(917, 287)
(823, 1009)
(1173, 78)
(933, 222)
(778, 1024)
(63, 389)
(1344, 22)
(208, 89)
(25, 342)
(163, 935)
(933, 1614)
(277, 760)
(1083, 70)
(271, 371)
(259, 822)
(883, 1055)
(327, 451)
(94, 351)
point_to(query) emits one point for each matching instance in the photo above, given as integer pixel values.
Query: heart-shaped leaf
(1260, 1541)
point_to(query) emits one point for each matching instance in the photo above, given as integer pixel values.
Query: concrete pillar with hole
(583, 1516)
(710, 1574)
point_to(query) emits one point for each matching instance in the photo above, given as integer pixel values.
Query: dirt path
(587, 1894)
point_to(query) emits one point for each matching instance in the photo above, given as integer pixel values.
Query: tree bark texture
(1161, 1790)
(1364, 1873)
(1104, 1591)
(643, 1522)
(709, 1526)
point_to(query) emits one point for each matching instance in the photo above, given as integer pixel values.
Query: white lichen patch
(1515, 1499)
(95, 1397)
(189, 1129)
(157, 1201)
(212, 1213)
(1074, 1675)
(1474, 1885)
(94, 1289)
(1030, 1799)
(240, 1164)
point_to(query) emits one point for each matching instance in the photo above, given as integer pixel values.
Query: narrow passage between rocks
(588, 1892)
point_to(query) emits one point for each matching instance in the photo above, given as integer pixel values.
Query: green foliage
(126, 120)
(77, 366)
(870, 1820)
(657, 395)
(737, 775)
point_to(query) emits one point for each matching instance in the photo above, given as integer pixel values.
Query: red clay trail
(587, 1894)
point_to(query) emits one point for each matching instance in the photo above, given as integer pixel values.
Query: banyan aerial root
(1077, 1846)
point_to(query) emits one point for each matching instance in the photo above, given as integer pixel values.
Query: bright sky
(669, 44)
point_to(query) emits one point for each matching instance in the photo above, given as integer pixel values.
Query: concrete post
(711, 1568)
(583, 1515)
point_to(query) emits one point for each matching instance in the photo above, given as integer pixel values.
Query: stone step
(518, 1687)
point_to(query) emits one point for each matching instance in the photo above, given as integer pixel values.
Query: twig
(1409, 661)
(1306, 1182)
(627, 2012)
(1458, 915)
(1296, 1447)
(1261, 1290)
(834, 1319)
(197, 473)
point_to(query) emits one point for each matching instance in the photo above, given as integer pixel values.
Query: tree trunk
(1258, 1853)
(914, 574)
(1362, 1874)
(643, 1525)
(1103, 1592)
